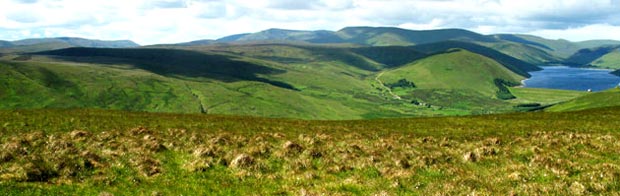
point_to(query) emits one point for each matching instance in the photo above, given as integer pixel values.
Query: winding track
(388, 89)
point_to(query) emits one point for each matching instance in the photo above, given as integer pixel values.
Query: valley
(359, 111)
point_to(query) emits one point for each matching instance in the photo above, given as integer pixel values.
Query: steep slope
(391, 56)
(457, 69)
(610, 60)
(518, 66)
(585, 57)
(560, 48)
(527, 53)
(183, 63)
(607, 98)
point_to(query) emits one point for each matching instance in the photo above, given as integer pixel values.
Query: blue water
(569, 78)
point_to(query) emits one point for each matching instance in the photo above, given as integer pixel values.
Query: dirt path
(388, 88)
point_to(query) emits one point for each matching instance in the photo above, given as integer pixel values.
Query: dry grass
(538, 163)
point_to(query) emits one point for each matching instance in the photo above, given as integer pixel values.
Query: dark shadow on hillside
(173, 63)
(391, 56)
(518, 66)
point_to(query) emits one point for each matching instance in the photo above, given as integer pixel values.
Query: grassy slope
(331, 82)
(609, 61)
(544, 96)
(524, 153)
(454, 70)
(67, 85)
(518, 66)
(457, 79)
(523, 52)
(593, 100)
(155, 85)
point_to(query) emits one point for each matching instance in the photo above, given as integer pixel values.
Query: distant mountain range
(533, 49)
(353, 73)
(42, 44)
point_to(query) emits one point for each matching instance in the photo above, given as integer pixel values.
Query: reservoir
(570, 78)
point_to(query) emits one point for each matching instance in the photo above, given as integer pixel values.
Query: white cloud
(603, 31)
(168, 21)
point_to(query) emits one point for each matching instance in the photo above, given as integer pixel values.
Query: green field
(544, 96)
(90, 152)
(591, 100)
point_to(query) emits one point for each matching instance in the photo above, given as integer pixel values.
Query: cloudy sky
(171, 21)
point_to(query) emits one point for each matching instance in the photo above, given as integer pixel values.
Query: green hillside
(561, 48)
(458, 78)
(585, 57)
(271, 81)
(610, 60)
(543, 96)
(527, 53)
(385, 36)
(607, 98)
(518, 66)
(526, 48)
(457, 69)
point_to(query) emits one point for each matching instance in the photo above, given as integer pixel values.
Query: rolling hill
(528, 48)
(289, 35)
(559, 48)
(602, 99)
(384, 36)
(370, 36)
(43, 44)
(523, 52)
(332, 82)
(610, 60)
(459, 69)
(353, 73)
(193, 81)
(587, 56)
(518, 66)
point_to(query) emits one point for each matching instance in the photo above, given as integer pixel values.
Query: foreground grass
(91, 152)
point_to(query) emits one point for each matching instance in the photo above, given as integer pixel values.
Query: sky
(173, 21)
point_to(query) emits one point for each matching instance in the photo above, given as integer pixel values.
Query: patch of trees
(503, 93)
(402, 83)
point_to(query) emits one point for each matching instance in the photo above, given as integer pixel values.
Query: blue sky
(171, 21)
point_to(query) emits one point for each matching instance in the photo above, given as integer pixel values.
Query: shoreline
(587, 68)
